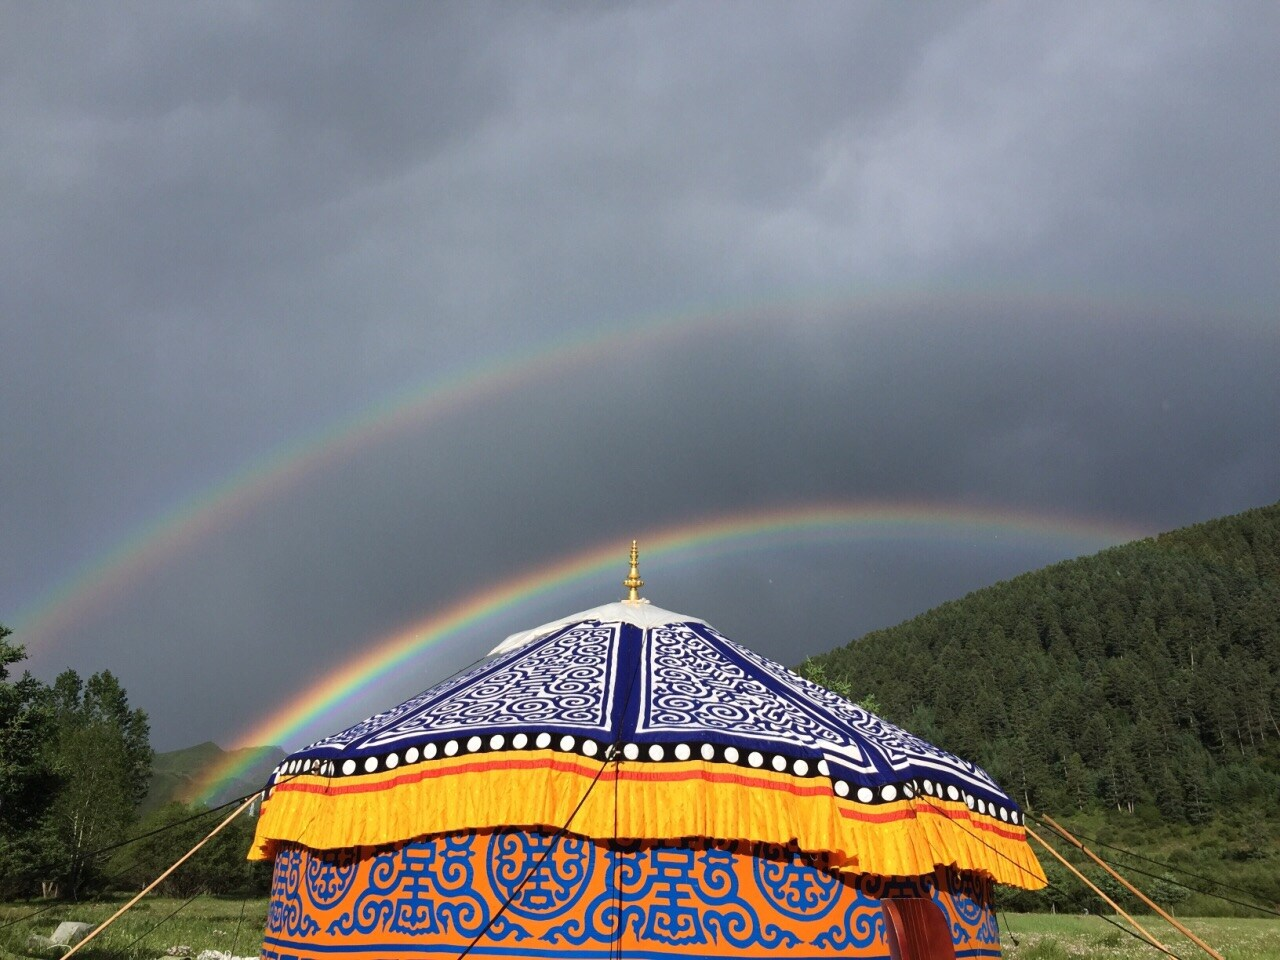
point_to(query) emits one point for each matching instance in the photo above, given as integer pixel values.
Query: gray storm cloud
(966, 254)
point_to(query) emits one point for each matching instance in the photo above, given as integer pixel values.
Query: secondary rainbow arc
(220, 504)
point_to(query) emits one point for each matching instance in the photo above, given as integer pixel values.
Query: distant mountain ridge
(176, 775)
(1146, 676)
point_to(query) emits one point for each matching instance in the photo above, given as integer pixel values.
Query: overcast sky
(1011, 257)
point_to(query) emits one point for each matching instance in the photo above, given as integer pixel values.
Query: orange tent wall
(695, 898)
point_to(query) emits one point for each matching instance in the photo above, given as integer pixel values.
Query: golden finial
(633, 583)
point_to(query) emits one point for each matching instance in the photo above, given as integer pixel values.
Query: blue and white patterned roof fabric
(670, 691)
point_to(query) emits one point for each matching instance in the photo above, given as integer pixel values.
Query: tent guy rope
(156, 882)
(1181, 928)
(1092, 886)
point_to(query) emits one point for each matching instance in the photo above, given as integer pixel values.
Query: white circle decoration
(474, 744)
(801, 768)
(823, 768)
(392, 761)
(349, 767)
(842, 788)
(451, 748)
(708, 752)
(631, 751)
(779, 763)
(411, 755)
(519, 741)
(430, 751)
(755, 758)
(566, 743)
(496, 742)
(865, 794)
(731, 754)
(589, 748)
(370, 764)
(889, 792)
(655, 752)
(683, 752)
(543, 741)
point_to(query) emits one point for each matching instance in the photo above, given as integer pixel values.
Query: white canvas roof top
(640, 613)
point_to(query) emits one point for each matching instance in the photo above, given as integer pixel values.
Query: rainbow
(664, 547)
(179, 528)
(154, 542)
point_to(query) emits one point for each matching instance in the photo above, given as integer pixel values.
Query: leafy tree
(219, 867)
(27, 779)
(102, 755)
(815, 672)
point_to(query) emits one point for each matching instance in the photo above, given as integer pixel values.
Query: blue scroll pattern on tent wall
(714, 898)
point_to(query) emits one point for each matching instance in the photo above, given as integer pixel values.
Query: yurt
(629, 782)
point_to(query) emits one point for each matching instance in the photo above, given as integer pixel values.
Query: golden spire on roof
(633, 583)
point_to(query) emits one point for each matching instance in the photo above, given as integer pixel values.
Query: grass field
(235, 926)
(1043, 936)
(144, 933)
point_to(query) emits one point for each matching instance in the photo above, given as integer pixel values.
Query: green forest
(1136, 690)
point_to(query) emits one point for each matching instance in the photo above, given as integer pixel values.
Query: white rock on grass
(70, 932)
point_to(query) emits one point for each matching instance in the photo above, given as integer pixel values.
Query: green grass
(206, 923)
(1043, 936)
(212, 923)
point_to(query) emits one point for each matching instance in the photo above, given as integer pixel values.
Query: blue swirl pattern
(699, 696)
(554, 871)
(711, 898)
(288, 914)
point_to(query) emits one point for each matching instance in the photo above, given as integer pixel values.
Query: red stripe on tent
(908, 814)
(329, 789)
(560, 766)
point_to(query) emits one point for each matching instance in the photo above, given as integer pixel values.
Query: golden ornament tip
(633, 583)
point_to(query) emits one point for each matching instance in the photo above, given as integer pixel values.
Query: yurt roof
(685, 732)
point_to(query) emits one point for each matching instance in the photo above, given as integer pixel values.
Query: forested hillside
(177, 774)
(1144, 679)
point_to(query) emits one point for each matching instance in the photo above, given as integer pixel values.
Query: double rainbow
(153, 543)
